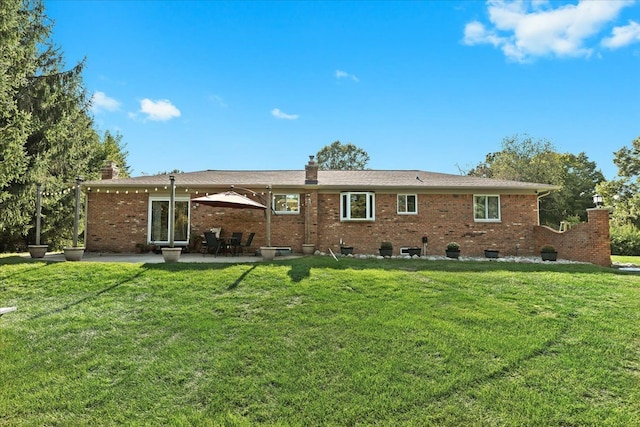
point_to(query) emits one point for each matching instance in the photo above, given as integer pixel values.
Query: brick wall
(441, 217)
(586, 242)
(117, 222)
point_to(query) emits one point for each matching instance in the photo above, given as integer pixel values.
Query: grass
(318, 342)
(622, 259)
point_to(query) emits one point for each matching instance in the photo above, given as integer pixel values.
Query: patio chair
(247, 244)
(213, 244)
(235, 243)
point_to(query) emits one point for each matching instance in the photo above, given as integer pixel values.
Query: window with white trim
(486, 207)
(286, 203)
(407, 204)
(158, 226)
(357, 206)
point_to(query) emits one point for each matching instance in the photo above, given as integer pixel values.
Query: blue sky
(431, 85)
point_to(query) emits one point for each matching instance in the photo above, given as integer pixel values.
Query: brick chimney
(110, 170)
(311, 171)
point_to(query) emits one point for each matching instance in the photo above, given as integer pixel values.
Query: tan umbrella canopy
(229, 199)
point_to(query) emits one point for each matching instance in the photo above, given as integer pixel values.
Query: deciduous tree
(342, 157)
(526, 159)
(623, 192)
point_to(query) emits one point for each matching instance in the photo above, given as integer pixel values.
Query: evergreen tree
(46, 132)
(112, 148)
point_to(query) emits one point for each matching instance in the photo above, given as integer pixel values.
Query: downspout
(540, 196)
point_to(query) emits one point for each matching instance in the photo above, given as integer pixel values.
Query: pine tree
(46, 132)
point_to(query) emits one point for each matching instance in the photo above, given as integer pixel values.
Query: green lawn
(622, 259)
(313, 341)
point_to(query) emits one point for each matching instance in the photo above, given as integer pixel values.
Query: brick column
(599, 238)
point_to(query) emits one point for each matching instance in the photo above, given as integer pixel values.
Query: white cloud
(529, 29)
(101, 102)
(161, 110)
(282, 115)
(218, 100)
(344, 75)
(623, 36)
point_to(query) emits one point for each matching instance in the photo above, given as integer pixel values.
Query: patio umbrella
(229, 199)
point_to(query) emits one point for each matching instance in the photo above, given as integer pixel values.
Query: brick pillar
(599, 238)
(311, 171)
(110, 170)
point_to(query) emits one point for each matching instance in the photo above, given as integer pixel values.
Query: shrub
(625, 240)
(453, 246)
(547, 249)
(386, 245)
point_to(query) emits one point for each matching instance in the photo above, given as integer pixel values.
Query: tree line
(48, 137)
(523, 158)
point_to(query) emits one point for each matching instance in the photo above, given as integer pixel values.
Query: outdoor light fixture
(597, 200)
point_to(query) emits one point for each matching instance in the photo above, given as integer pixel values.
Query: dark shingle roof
(329, 180)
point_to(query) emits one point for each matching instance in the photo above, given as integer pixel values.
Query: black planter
(491, 253)
(346, 250)
(386, 252)
(452, 254)
(549, 256)
(414, 251)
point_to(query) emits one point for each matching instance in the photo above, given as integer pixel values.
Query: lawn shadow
(196, 267)
(240, 279)
(16, 259)
(41, 264)
(299, 271)
(87, 298)
(301, 267)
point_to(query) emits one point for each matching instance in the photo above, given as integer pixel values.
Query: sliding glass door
(159, 220)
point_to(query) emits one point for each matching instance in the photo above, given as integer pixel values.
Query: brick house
(359, 208)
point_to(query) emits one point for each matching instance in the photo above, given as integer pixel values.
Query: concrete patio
(151, 258)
